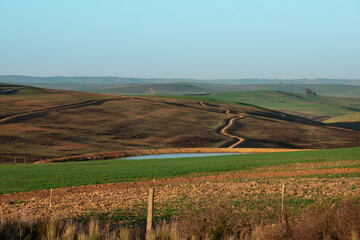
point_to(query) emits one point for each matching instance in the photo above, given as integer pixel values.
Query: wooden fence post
(282, 202)
(150, 211)
(51, 192)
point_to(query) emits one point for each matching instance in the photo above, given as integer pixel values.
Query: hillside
(351, 121)
(332, 106)
(43, 123)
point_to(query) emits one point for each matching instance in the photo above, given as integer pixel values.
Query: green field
(56, 175)
(331, 106)
(351, 121)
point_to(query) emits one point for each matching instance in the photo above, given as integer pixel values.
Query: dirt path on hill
(35, 113)
(228, 125)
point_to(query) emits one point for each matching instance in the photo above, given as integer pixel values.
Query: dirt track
(229, 124)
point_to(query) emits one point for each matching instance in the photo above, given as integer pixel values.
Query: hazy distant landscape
(180, 120)
(136, 86)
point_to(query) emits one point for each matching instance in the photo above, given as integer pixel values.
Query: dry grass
(216, 221)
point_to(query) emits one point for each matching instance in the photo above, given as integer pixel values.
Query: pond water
(178, 155)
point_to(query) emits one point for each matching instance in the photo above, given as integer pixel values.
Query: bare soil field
(250, 186)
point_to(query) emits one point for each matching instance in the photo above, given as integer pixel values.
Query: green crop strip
(15, 178)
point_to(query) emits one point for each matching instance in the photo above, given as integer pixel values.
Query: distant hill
(124, 80)
(140, 86)
(187, 88)
(164, 88)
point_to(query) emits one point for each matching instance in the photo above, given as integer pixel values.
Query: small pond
(178, 155)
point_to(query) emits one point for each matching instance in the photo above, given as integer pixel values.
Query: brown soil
(77, 201)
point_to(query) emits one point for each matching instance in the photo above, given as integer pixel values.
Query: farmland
(294, 102)
(351, 121)
(56, 175)
(285, 101)
(245, 189)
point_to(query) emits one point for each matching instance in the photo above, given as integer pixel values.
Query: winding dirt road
(229, 124)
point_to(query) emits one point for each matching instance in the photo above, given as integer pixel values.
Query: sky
(203, 39)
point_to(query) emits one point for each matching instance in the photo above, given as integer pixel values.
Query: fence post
(282, 202)
(51, 192)
(150, 211)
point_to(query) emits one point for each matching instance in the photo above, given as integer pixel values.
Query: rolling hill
(40, 123)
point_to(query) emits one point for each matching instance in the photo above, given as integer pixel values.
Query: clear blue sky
(203, 39)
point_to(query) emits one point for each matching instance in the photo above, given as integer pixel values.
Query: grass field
(57, 175)
(332, 106)
(351, 121)
(335, 90)
(294, 102)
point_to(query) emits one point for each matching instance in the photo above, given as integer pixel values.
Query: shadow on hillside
(348, 125)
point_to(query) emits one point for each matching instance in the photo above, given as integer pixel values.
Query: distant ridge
(126, 80)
